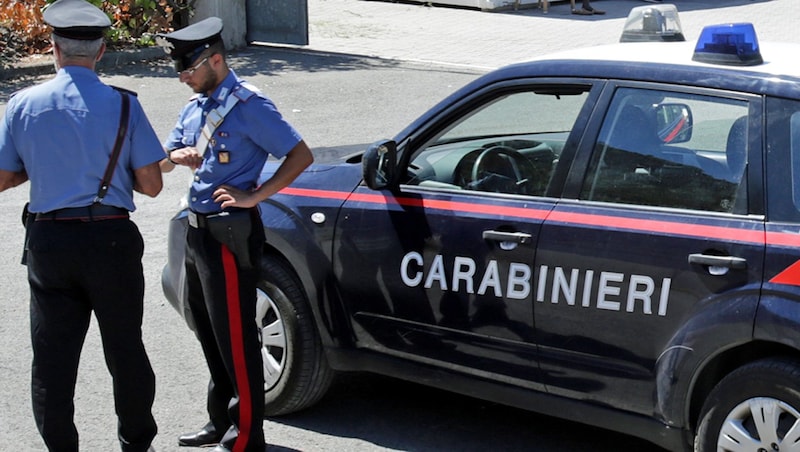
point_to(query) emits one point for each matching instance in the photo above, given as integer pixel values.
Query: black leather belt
(200, 220)
(89, 213)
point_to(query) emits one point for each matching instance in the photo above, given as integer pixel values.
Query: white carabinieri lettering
(604, 291)
(464, 275)
(608, 291)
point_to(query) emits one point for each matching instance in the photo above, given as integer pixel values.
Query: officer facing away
(83, 252)
(225, 134)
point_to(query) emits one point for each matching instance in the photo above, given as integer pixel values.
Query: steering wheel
(520, 167)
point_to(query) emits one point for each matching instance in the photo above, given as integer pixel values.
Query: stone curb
(110, 60)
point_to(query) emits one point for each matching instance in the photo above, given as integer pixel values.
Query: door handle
(521, 238)
(737, 263)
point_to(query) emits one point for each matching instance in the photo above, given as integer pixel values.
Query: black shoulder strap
(112, 162)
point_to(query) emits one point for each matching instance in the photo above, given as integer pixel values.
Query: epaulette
(123, 90)
(18, 91)
(245, 91)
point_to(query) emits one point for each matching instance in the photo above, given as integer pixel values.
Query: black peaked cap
(186, 44)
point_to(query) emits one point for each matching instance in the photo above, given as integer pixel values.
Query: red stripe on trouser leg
(237, 348)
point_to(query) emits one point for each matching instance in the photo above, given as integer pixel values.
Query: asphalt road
(339, 104)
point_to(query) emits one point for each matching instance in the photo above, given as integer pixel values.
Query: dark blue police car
(609, 234)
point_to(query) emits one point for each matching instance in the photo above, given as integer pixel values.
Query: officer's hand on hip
(227, 196)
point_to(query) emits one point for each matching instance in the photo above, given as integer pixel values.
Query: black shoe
(200, 439)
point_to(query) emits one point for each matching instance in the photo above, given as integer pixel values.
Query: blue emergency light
(729, 44)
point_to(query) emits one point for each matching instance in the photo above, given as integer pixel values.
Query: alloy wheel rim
(761, 424)
(273, 337)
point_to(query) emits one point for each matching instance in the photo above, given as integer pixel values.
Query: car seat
(635, 132)
(736, 149)
(736, 155)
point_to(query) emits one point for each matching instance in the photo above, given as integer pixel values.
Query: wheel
(501, 169)
(296, 373)
(754, 409)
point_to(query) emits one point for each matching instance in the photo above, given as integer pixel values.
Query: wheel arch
(300, 374)
(775, 319)
(300, 230)
(317, 284)
(755, 407)
(725, 362)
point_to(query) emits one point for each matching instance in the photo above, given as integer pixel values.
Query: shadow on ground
(399, 415)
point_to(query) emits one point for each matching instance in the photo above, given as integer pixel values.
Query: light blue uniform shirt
(62, 133)
(251, 131)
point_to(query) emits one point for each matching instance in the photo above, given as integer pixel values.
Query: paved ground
(412, 31)
(403, 31)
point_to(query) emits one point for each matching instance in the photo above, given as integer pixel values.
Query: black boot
(207, 436)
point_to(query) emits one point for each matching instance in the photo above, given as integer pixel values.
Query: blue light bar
(729, 44)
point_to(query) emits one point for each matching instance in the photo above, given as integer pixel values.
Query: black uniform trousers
(222, 298)
(76, 268)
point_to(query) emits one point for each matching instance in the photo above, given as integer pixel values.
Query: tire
(755, 408)
(296, 373)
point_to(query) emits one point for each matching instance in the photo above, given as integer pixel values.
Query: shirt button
(197, 178)
(194, 198)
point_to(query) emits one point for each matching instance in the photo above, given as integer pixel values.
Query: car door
(653, 243)
(438, 270)
(782, 271)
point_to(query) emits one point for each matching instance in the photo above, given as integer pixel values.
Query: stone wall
(233, 15)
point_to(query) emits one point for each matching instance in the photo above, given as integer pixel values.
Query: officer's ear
(216, 61)
(100, 52)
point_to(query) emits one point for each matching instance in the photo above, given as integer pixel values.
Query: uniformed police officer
(84, 254)
(225, 134)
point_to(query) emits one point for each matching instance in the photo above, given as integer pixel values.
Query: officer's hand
(228, 196)
(187, 156)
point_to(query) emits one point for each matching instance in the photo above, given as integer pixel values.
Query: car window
(509, 144)
(783, 159)
(665, 149)
(794, 146)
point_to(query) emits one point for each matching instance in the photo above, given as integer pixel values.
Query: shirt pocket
(190, 137)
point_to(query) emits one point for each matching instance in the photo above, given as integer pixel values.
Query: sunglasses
(190, 70)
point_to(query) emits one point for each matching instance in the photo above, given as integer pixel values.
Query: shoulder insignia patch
(245, 91)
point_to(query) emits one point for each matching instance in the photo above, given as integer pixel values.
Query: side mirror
(675, 123)
(379, 164)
